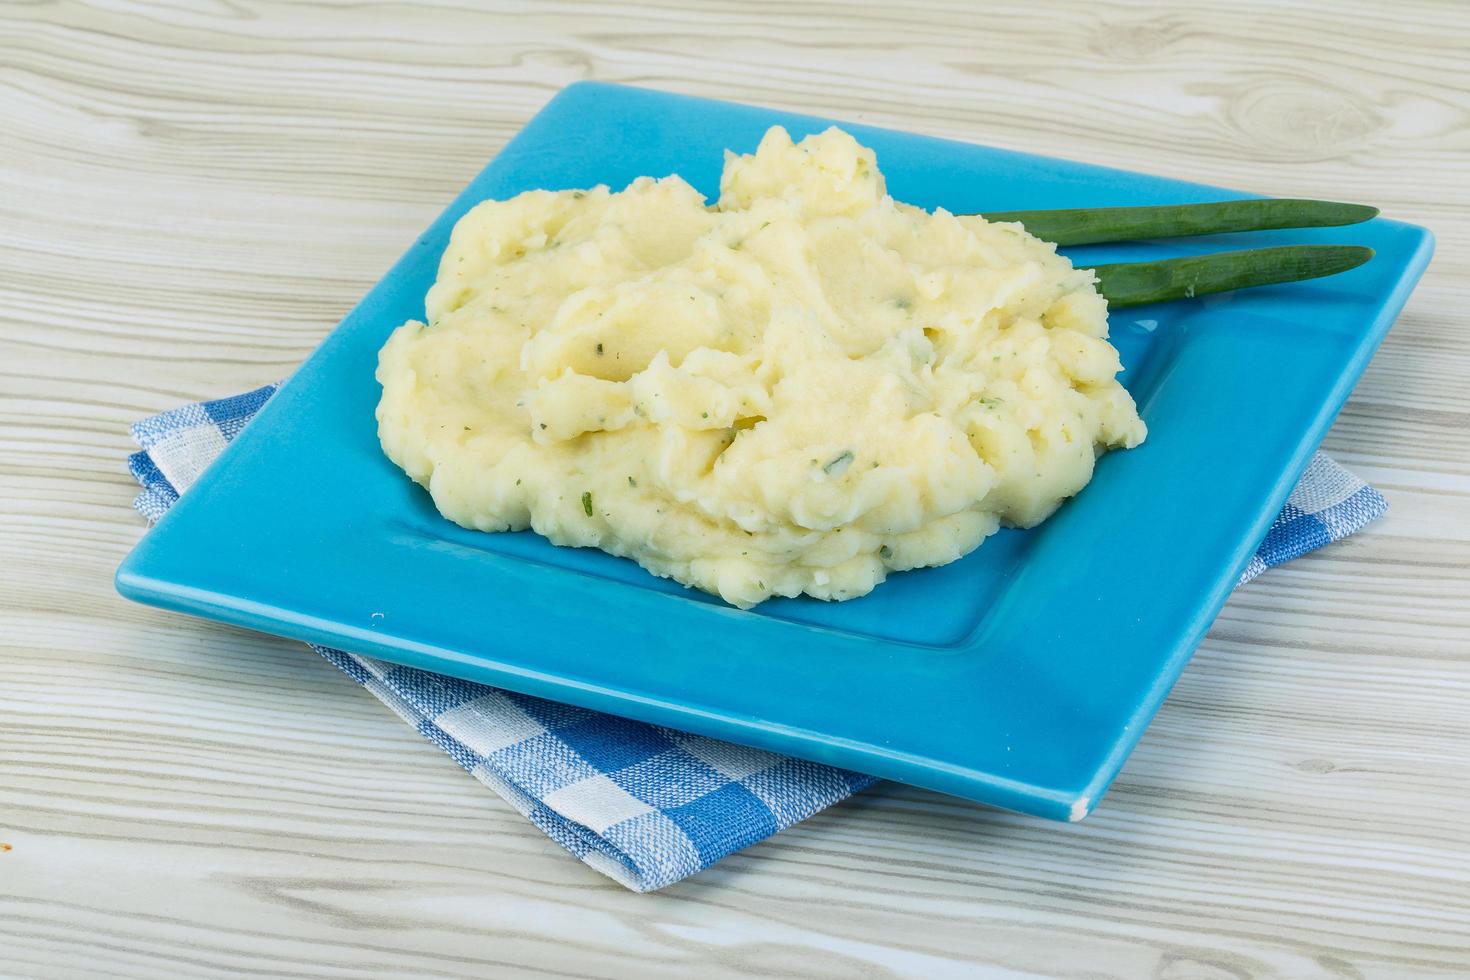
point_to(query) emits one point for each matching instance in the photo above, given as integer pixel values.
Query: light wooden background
(192, 193)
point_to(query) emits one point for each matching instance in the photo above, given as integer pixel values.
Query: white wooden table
(192, 194)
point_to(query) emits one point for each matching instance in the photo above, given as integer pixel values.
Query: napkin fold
(643, 804)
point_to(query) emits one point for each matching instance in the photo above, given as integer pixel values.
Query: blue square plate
(1021, 675)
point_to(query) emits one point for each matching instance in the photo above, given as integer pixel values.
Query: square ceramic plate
(1021, 675)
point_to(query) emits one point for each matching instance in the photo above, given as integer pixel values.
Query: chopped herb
(885, 552)
(704, 415)
(543, 425)
(518, 483)
(587, 502)
(838, 463)
(763, 225)
(599, 348)
(578, 195)
(467, 428)
(632, 482)
(990, 402)
(902, 303)
(996, 358)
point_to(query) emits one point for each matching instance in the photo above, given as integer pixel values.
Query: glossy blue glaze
(1021, 675)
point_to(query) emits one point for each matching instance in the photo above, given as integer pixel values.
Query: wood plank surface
(192, 194)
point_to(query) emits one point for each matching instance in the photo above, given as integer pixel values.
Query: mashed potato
(795, 391)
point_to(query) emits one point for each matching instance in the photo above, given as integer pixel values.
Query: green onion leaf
(1136, 283)
(1085, 226)
(838, 463)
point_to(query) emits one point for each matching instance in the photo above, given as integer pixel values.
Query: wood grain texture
(192, 194)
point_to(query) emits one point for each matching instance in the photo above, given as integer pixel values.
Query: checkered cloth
(643, 804)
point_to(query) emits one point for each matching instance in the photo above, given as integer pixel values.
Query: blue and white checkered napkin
(643, 804)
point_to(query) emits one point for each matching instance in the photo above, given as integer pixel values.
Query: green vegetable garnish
(587, 502)
(1135, 283)
(1083, 226)
(837, 462)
